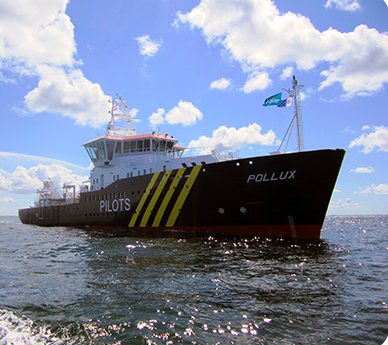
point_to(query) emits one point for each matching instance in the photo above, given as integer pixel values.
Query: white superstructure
(48, 195)
(122, 153)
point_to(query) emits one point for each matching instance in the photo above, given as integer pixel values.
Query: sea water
(70, 286)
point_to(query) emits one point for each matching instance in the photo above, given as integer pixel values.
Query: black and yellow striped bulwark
(164, 198)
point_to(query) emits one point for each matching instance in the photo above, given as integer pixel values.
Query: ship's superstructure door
(102, 181)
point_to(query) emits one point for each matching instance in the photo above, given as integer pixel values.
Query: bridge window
(118, 147)
(154, 144)
(140, 144)
(170, 144)
(147, 144)
(109, 148)
(126, 146)
(92, 152)
(96, 150)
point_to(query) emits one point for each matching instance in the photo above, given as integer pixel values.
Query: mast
(298, 114)
(120, 112)
(297, 118)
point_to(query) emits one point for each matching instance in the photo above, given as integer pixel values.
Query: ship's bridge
(106, 148)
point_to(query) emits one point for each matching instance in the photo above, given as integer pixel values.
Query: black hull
(284, 195)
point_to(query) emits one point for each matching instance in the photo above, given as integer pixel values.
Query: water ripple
(68, 286)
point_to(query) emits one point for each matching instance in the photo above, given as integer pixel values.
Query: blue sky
(197, 70)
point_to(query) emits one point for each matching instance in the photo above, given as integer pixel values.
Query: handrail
(220, 155)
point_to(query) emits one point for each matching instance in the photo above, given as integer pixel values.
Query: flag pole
(298, 114)
(297, 118)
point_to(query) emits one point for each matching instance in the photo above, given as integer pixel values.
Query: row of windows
(109, 196)
(129, 175)
(143, 146)
(103, 214)
(104, 148)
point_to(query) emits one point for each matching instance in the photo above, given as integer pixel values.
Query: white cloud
(7, 199)
(363, 170)
(303, 96)
(26, 181)
(257, 81)
(31, 158)
(157, 118)
(69, 94)
(345, 204)
(287, 73)
(220, 84)
(381, 189)
(345, 5)
(376, 189)
(378, 138)
(255, 34)
(386, 1)
(38, 32)
(184, 113)
(228, 138)
(37, 39)
(348, 129)
(6, 79)
(362, 67)
(147, 47)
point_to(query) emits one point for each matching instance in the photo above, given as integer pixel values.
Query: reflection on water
(74, 286)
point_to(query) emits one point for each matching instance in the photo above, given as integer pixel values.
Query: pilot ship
(149, 182)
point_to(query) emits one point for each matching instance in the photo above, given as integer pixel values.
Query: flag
(285, 102)
(273, 100)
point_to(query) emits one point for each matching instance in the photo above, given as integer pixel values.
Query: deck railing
(220, 155)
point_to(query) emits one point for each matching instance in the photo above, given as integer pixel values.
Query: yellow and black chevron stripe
(164, 198)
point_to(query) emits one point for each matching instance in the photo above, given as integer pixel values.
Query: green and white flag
(273, 100)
